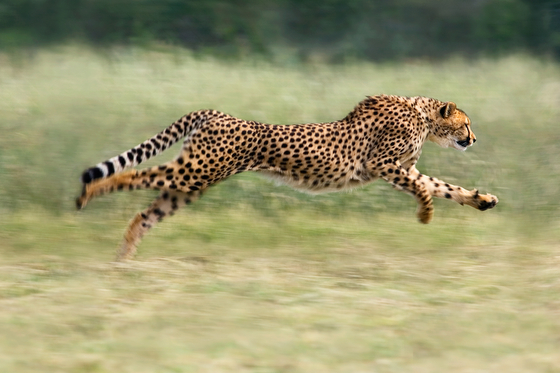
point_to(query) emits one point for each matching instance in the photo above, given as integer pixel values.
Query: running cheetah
(381, 138)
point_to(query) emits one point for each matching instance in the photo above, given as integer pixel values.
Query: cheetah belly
(311, 185)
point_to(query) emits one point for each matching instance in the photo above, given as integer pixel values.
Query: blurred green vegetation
(68, 108)
(256, 277)
(331, 30)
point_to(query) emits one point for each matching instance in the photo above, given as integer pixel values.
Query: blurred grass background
(256, 277)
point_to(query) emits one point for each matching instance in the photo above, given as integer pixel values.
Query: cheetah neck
(427, 108)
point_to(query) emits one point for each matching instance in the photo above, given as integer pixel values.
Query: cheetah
(381, 138)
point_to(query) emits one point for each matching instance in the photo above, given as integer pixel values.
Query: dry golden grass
(330, 297)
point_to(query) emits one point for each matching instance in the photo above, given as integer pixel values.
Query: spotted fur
(381, 138)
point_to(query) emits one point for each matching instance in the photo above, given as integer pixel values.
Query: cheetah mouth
(461, 145)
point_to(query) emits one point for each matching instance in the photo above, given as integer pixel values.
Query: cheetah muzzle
(381, 138)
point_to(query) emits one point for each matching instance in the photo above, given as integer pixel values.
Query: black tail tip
(91, 174)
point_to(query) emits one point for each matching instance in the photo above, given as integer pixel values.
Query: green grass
(256, 277)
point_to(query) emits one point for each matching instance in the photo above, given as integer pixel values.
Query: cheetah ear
(447, 109)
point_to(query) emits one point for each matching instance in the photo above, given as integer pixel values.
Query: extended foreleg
(392, 172)
(441, 189)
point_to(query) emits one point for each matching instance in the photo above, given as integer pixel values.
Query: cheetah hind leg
(106, 185)
(166, 204)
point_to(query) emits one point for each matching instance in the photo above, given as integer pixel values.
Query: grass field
(256, 277)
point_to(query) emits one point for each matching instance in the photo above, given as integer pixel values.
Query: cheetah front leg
(423, 187)
(441, 189)
(391, 171)
(165, 205)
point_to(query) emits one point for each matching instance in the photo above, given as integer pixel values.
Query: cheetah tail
(149, 148)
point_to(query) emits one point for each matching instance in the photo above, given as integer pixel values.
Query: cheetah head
(452, 127)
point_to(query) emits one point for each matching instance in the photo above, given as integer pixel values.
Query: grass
(255, 277)
(356, 296)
